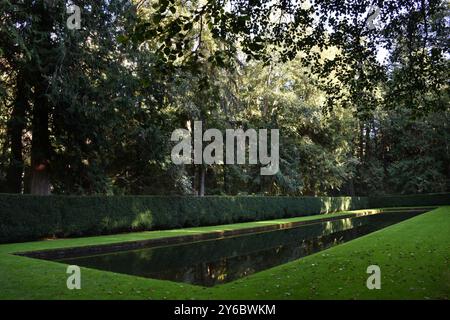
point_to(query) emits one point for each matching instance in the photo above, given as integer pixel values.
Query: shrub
(26, 217)
(435, 199)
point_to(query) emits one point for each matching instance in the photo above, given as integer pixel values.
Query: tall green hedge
(25, 217)
(435, 199)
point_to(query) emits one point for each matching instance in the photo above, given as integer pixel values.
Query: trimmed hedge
(26, 217)
(436, 199)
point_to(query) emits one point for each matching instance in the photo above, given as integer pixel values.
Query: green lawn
(413, 255)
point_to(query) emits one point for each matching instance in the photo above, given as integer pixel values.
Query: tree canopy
(358, 89)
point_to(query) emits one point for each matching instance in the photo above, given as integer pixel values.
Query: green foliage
(32, 217)
(97, 106)
(437, 199)
(405, 155)
(411, 250)
(288, 29)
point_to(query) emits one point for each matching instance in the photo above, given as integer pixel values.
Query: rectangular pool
(213, 262)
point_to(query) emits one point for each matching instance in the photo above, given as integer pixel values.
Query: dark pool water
(213, 262)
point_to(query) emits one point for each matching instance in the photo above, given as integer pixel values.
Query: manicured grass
(413, 255)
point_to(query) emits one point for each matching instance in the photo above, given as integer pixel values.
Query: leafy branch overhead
(358, 89)
(281, 30)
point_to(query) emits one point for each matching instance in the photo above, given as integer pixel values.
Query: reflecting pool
(213, 262)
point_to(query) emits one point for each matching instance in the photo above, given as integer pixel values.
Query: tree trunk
(351, 188)
(361, 142)
(16, 126)
(225, 180)
(368, 143)
(40, 147)
(202, 181)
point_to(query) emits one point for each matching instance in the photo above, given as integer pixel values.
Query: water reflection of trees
(211, 262)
